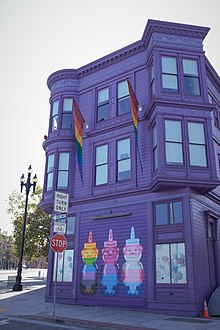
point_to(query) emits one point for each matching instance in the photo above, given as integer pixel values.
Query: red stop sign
(58, 243)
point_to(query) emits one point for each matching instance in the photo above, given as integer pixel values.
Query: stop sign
(58, 243)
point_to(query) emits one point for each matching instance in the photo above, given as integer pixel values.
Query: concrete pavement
(30, 304)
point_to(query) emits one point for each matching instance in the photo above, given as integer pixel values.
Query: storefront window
(65, 266)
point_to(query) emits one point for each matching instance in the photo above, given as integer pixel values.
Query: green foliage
(37, 228)
(7, 258)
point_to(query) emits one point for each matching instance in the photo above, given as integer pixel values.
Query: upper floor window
(123, 98)
(54, 117)
(191, 77)
(63, 170)
(197, 148)
(50, 171)
(169, 74)
(152, 83)
(173, 137)
(103, 104)
(155, 156)
(101, 164)
(67, 119)
(168, 213)
(123, 160)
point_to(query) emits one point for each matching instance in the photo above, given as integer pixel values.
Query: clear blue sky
(38, 37)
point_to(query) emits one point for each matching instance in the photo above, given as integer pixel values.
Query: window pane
(101, 174)
(190, 67)
(169, 82)
(59, 267)
(155, 158)
(55, 108)
(124, 169)
(68, 266)
(178, 262)
(70, 226)
(161, 214)
(62, 180)
(173, 130)
(55, 123)
(169, 65)
(67, 120)
(191, 86)
(124, 106)
(162, 263)
(196, 133)
(50, 164)
(154, 136)
(102, 154)
(123, 89)
(103, 96)
(123, 149)
(197, 155)
(67, 105)
(176, 214)
(103, 112)
(64, 161)
(174, 153)
(49, 181)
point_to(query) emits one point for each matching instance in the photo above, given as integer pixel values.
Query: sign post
(58, 244)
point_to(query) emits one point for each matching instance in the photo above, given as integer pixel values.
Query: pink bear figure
(132, 271)
(110, 271)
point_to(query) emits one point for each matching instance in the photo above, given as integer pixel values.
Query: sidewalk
(30, 304)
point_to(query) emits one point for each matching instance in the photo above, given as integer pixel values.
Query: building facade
(142, 226)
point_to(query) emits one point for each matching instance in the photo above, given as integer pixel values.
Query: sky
(38, 37)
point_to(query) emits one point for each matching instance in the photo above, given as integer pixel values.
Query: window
(152, 83)
(70, 225)
(155, 156)
(54, 118)
(170, 263)
(101, 167)
(216, 117)
(173, 137)
(123, 160)
(197, 148)
(64, 266)
(123, 98)
(50, 170)
(63, 170)
(67, 119)
(103, 104)
(169, 74)
(191, 77)
(168, 213)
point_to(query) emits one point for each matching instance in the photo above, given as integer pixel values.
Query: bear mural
(132, 271)
(110, 254)
(88, 284)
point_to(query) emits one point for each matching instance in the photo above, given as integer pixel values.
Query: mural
(132, 271)
(88, 284)
(110, 254)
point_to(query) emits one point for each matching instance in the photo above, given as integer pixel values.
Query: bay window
(191, 77)
(54, 116)
(173, 142)
(50, 172)
(197, 148)
(169, 74)
(63, 170)
(67, 118)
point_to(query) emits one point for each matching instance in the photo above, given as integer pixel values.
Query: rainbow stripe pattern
(78, 128)
(134, 108)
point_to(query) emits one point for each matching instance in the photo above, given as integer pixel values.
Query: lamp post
(18, 286)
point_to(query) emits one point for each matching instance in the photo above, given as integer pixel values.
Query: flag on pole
(134, 111)
(78, 128)
(134, 108)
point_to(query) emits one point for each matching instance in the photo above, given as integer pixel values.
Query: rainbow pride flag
(134, 108)
(78, 128)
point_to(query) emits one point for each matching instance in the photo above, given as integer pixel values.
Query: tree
(7, 258)
(37, 225)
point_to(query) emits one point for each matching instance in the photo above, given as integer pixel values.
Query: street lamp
(18, 286)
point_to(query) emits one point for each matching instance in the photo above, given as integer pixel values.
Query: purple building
(143, 226)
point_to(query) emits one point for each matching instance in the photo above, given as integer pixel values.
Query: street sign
(61, 202)
(58, 243)
(59, 216)
(59, 227)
